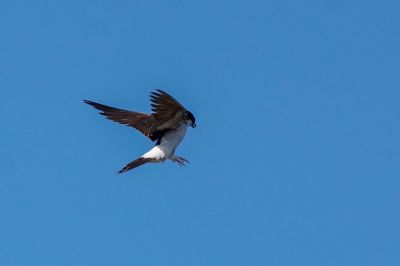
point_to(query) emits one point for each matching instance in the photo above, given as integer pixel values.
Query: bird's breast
(168, 144)
(172, 139)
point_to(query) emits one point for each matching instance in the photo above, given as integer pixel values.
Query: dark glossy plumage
(167, 114)
(166, 124)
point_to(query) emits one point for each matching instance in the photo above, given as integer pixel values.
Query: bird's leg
(180, 160)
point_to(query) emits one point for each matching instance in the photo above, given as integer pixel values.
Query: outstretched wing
(167, 111)
(142, 122)
(167, 114)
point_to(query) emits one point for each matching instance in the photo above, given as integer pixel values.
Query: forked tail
(138, 162)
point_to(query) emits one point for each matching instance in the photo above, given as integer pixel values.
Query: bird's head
(190, 120)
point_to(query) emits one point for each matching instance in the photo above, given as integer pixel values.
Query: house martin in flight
(166, 125)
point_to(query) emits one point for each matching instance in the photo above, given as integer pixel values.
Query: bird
(166, 125)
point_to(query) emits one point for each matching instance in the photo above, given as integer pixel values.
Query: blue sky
(295, 160)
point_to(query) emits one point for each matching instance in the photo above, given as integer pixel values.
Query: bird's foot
(180, 160)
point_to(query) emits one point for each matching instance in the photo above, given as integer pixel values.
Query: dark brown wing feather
(162, 103)
(167, 111)
(142, 122)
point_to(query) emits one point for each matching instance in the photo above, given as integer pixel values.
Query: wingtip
(157, 92)
(91, 103)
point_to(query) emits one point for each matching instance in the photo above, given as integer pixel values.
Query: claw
(181, 161)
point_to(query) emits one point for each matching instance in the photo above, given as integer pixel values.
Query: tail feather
(138, 162)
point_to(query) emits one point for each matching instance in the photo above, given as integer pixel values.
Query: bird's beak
(194, 125)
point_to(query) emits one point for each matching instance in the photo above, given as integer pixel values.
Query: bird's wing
(142, 122)
(167, 111)
(167, 114)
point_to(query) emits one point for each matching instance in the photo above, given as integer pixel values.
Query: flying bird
(166, 125)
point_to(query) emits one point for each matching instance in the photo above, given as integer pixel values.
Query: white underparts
(168, 144)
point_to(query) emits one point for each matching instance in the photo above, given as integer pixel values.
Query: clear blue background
(295, 160)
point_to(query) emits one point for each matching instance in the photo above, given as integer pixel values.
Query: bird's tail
(138, 162)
